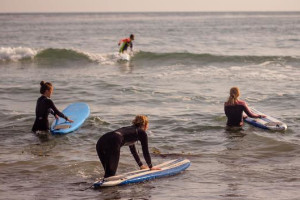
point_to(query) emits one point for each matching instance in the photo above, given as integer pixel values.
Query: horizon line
(94, 12)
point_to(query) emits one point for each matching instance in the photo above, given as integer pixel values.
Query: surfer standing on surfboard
(109, 145)
(234, 109)
(44, 106)
(125, 43)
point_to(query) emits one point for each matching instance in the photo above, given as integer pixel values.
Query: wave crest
(52, 56)
(56, 56)
(193, 58)
(16, 53)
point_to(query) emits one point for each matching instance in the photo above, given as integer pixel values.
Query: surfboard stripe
(157, 174)
(165, 164)
(167, 168)
(268, 122)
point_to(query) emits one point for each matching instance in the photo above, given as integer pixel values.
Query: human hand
(155, 168)
(69, 120)
(56, 116)
(262, 116)
(143, 167)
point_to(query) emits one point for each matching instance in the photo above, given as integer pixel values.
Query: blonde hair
(233, 95)
(140, 121)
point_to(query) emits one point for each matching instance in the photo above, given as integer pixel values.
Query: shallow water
(180, 75)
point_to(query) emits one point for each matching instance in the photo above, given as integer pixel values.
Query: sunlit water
(180, 75)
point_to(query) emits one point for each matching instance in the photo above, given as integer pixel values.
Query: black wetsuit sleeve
(144, 142)
(135, 155)
(52, 112)
(249, 113)
(55, 110)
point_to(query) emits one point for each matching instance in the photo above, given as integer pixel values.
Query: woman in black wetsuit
(109, 145)
(44, 106)
(234, 109)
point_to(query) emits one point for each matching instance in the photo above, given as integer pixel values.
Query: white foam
(19, 53)
(106, 59)
(16, 53)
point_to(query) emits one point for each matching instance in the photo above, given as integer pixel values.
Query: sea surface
(182, 69)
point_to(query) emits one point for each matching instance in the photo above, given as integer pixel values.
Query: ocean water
(183, 67)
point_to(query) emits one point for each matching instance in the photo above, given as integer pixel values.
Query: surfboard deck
(268, 122)
(168, 168)
(78, 112)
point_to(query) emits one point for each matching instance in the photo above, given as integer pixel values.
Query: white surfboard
(124, 56)
(168, 168)
(268, 122)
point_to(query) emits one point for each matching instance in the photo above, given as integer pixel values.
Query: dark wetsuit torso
(109, 145)
(234, 113)
(44, 106)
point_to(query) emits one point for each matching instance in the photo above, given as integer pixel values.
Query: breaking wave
(62, 56)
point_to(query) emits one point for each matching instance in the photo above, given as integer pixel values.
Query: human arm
(120, 42)
(56, 112)
(131, 45)
(249, 113)
(144, 142)
(135, 155)
(123, 40)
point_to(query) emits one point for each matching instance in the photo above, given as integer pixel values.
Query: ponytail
(233, 95)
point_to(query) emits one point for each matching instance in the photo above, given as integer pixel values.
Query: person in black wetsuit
(234, 109)
(44, 106)
(109, 145)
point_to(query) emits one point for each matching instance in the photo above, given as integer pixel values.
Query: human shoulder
(127, 40)
(241, 102)
(141, 131)
(44, 99)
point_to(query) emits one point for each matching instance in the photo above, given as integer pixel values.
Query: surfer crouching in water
(234, 109)
(125, 43)
(109, 145)
(44, 106)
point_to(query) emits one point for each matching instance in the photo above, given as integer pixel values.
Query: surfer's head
(233, 95)
(141, 121)
(131, 36)
(46, 88)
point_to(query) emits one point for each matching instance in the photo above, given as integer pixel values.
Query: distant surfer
(234, 109)
(44, 106)
(125, 43)
(109, 145)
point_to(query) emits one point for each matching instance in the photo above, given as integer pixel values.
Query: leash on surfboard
(90, 187)
(94, 186)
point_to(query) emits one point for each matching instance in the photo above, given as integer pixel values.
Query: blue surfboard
(78, 112)
(168, 168)
(267, 122)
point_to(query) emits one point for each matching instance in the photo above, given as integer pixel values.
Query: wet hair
(131, 36)
(140, 121)
(45, 86)
(233, 95)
